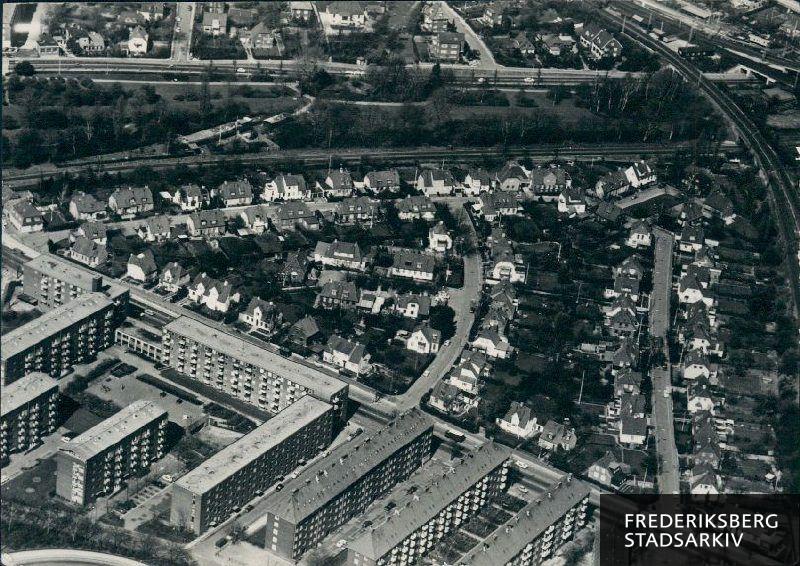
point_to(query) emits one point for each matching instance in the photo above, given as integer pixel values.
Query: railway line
(396, 156)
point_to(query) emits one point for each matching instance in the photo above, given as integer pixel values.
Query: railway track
(119, 164)
(784, 197)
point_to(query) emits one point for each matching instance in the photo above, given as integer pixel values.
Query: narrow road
(182, 40)
(460, 301)
(663, 428)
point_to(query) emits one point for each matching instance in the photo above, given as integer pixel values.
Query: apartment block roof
(114, 429)
(52, 322)
(423, 496)
(535, 518)
(25, 390)
(65, 271)
(230, 345)
(253, 445)
(334, 474)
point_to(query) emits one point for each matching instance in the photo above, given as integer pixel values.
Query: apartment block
(537, 531)
(208, 495)
(29, 413)
(344, 483)
(427, 507)
(98, 462)
(71, 334)
(245, 370)
(52, 281)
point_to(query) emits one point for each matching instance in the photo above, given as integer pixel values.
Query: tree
(442, 318)
(24, 69)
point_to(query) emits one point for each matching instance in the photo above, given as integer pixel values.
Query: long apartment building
(207, 495)
(344, 483)
(51, 281)
(71, 334)
(242, 369)
(98, 462)
(401, 528)
(29, 413)
(537, 531)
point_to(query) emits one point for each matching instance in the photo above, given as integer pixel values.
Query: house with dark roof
(512, 177)
(95, 231)
(416, 208)
(357, 210)
(155, 229)
(235, 193)
(266, 42)
(347, 355)
(338, 295)
(215, 295)
(206, 223)
(412, 306)
(294, 269)
(142, 267)
(129, 202)
(424, 340)
(215, 23)
(25, 217)
(189, 197)
(385, 180)
(548, 183)
(293, 215)
(85, 207)
(286, 187)
(599, 42)
(302, 331)
(519, 420)
(435, 182)
(612, 185)
(261, 315)
(557, 436)
(340, 254)
(412, 265)
(173, 277)
(476, 182)
(87, 252)
(446, 46)
(338, 184)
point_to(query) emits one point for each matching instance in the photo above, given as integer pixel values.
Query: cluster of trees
(61, 119)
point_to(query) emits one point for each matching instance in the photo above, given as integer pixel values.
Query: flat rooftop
(253, 445)
(532, 520)
(420, 498)
(311, 378)
(25, 390)
(74, 274)
(346, 464)
(52, 322)
(114, 429)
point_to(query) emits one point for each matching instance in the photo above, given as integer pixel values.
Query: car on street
(530, 80)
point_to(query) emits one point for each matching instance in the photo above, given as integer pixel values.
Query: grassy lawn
(34, 485)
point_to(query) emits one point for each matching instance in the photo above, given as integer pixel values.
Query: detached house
(255, 218)
(416, 208)
(173, 277)
(142, 267)
(155, 229)
(215, 295)
(296, 214)
(302, 331)
(412, 306)
(719, 205)
(129, 202)
(357, 210)
(612, 185)
(86, 207)
(519, 421)
(340, 254)
(424, 340)
(476, 182)
(261, 315)
(547, 184)
(503, 264)
(494, 206)
(206, 223)
(379, 181)
(435, 182)
(439, 239)
(286, 187)
(25, 217)
(235, 193)
(571, 201)
(215, 24)
(89, 253)
(493, 344)
(189, 197)
(338, 184)
(95, 231)
(640, 174)
(346, 355)
(600, 43)
(338, 295)
(557, 436)
(138, 38)
(446, 46)
(640, 236)
(512, 177)
(412, 265)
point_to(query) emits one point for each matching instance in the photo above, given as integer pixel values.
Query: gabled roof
(128, 196)
(87, 204)
(417, 203)
(355, 351)
(88, 248)
(429, 176)
(266, 307)
(388, 177)
(306, 326)
(175, 271)
(423, 302)
(240, 188)
(94, 230)
(213, 218)
(432, 335)
(145, 261)
(414, 261)
(340, 179)
(340, 290)
(523, 412)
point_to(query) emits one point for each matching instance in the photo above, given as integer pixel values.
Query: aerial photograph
(393, 283)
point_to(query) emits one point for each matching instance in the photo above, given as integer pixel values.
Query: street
(669, 473)
(182, 40)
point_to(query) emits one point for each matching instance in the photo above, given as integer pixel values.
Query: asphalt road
(669, 471)
(182, 41)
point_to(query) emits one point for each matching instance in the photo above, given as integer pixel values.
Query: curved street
(65, 557)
